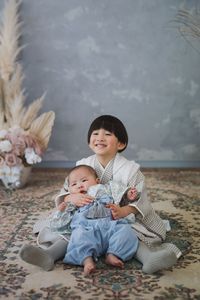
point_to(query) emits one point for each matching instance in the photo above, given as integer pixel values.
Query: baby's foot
(89, 266)
(113, 260)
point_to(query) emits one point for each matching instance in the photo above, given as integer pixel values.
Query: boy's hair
(90, 169)
(112, 124)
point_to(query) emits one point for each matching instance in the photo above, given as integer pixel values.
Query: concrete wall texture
(119, 57)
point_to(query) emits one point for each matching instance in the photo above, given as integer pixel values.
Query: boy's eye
(108, 133)
(95, 133)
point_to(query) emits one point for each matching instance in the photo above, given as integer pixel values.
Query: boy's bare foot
(89, 266)
(113, 260)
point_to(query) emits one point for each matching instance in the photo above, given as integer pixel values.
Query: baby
(94, 231)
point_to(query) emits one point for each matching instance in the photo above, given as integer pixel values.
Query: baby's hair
(111, 124)
(90, 169)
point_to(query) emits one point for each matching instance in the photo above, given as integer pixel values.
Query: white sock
(155, 259)
(44, 258)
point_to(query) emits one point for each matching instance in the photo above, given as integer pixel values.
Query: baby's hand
(117, 211)
(121, 212)
(132, 194)
(62, 206)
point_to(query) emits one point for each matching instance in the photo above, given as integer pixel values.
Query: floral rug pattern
(175, 195)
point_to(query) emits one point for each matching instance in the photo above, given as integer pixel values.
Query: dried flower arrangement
(24, 135)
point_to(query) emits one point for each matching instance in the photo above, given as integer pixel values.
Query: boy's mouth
(100, 145)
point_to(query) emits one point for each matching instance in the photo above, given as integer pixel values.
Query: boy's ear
(97, 180)
(121, 146)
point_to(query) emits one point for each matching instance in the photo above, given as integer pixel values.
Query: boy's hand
(132, 194)
(78, 199)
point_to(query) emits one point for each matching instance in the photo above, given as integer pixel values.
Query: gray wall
(120, 57)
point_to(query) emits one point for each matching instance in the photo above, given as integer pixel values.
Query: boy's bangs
(108, 126)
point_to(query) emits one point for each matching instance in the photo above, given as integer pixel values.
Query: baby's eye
(73, 184)
(84, 180)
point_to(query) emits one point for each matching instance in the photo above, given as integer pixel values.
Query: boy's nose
(100, 137)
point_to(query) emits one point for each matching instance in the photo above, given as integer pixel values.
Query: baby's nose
(80, 185)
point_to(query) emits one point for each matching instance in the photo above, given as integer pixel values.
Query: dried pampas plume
(188, 25)
(13, 113)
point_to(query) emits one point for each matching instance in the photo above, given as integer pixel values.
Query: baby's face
(80, 180)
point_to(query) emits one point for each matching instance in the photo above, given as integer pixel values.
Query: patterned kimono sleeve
(117, 189)
(60, 221)
(142, 204)
(61, 195)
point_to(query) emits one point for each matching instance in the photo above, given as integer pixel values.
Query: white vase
(15, 177)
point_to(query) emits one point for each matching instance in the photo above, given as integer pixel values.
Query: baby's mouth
(83, 192)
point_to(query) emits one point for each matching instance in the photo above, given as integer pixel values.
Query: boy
(107, 138)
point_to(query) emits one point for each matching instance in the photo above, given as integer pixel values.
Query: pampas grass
(38, 128)
(10, 33)
(188, 25)
(13, 112)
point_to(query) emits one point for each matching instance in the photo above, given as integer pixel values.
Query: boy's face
(105, 143)
(80, 180)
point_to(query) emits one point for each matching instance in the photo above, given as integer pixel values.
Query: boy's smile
(100, 145)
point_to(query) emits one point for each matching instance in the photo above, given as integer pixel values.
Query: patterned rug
(175, 195)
